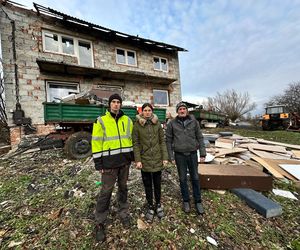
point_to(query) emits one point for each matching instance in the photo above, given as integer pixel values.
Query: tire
(78, 145)
(265, 126)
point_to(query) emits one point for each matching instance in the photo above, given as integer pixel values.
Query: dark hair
(147, 105)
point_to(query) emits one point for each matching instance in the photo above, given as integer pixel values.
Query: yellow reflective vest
(112, 141)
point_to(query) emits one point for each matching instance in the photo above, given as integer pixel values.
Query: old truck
(280, 117)
(74, 123)
(276, 117)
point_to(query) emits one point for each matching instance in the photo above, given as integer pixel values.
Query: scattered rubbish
(141, 224)
(98, 183)
(77, 193)
(2, 232)
(218, 191)
(55, 214)
(192, 230)
(284, 193)
(208, 158)
(211, 241)
(14, 244)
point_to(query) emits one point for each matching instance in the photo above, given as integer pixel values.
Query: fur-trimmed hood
(142, 121)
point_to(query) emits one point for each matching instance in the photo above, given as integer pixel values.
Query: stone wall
(32, 83)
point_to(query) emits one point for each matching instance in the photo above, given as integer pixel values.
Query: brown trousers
(109, 179)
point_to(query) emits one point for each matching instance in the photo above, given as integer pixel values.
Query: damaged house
(47, 54)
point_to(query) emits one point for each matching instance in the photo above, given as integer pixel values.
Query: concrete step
(259, 202)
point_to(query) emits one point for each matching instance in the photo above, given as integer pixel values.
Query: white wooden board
(293, 169)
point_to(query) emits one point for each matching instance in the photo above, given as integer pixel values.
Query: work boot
(199, 208)
(186, 207)
(100, 233)
(126, 222)
(149, 215)
(159, 211)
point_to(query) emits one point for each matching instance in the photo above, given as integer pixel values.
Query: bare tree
(290, 98)
(232, 103)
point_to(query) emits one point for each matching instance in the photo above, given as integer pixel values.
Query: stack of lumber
(281, 160)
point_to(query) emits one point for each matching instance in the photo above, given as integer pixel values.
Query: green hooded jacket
(149, 145)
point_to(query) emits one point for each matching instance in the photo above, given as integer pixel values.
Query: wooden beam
(268, 166)
(269, 148)
(230, 151)
(279, 143)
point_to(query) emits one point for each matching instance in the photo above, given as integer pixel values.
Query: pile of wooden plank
(255, 159)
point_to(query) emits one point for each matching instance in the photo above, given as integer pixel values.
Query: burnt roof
(108, 33)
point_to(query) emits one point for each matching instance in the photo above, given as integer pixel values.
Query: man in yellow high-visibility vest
(112, 154)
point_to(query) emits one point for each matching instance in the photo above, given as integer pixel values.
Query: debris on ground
(48, 202)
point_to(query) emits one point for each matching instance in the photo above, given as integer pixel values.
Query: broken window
(68, 45)
(85, 54)
(121, 56)
(51, 42)
(161, 97)
(160, 63)
(58, 43)
(127, 57)
(57, 90)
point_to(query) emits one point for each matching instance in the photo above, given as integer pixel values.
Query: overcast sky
(246, 45)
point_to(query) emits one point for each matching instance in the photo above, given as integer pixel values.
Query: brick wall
(32, 83)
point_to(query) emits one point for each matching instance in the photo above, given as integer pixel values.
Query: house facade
(47, 54)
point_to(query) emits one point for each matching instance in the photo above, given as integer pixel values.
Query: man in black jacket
(184, 138)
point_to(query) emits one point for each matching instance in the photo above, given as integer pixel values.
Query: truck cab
(276, 117)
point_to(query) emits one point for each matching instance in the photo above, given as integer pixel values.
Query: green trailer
(204, 116)
(76, 122)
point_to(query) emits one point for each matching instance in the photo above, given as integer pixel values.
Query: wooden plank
(4, 149)
(275, 165)
(215, 176)
(269, 148)
(254, 164)
(267, 155)
(293, 169)
(296, 153)
(266, 165)
(279, 144)
(224, 143)
(230, 151)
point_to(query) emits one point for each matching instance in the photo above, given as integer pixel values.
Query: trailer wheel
(78, 145)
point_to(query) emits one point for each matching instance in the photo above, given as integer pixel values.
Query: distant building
(48, 54)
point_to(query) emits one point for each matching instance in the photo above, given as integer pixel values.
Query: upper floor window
(127, 57)
(161, 97)
(160, 63)
(63, 44)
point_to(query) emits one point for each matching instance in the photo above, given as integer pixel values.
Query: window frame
(76, 41)
(126, 56)
(160, 64)
(62, 83)
(160, 104)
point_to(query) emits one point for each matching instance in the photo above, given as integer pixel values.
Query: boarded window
(161, 97)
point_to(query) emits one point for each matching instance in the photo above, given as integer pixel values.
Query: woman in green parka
(150, 153)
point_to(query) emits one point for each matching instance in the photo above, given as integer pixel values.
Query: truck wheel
(265, 126)
(78, 145)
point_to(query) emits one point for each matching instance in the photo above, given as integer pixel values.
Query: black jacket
(184, 136)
